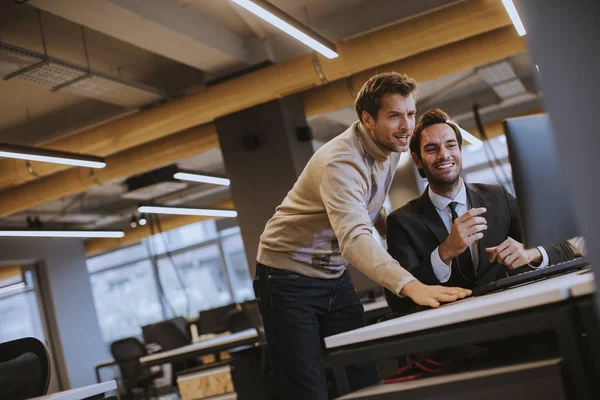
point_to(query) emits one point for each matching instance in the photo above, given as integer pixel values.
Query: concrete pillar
(265, 148)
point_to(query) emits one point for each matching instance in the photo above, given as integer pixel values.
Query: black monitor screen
(544, 202)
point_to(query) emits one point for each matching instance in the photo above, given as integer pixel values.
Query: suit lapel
(476, 200)
(431, 218)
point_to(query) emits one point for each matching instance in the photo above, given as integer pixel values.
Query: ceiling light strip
(188, 176)
(289, 25)
(201, 212)
(62, 234)
(50, 156)
(514, 16)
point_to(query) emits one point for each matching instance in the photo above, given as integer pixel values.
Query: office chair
(127, 353)
(24, 369)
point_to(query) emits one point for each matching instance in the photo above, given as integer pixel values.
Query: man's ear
(367, 119)
(416, 160)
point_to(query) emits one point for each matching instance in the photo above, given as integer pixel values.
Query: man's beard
(439, 182)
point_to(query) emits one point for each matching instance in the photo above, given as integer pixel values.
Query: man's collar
(370, 146)
(441, 202)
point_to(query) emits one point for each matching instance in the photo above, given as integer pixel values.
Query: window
(118, 257)
(18, 304)
(143, 283)
(235, 256)
(202, 280)
(183, 237)
(126, 299)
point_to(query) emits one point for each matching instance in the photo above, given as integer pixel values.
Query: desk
(378, 304)
(93, 391)
(588, 315)
(219, 343)
(103, 364)
(530, 308)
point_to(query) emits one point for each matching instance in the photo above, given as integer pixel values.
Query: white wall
(75, 336)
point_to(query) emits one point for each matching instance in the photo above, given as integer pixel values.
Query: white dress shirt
(442, 270)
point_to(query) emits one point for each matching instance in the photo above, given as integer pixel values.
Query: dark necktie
(464, 261)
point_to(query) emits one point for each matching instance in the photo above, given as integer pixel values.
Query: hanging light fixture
(50, 156)
(142, 221)
(200, 178)
(62, 234)
(289, 25)
(201, 212)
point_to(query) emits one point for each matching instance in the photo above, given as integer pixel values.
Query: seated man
(458, 234)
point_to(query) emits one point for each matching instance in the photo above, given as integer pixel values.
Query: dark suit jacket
(415, 230)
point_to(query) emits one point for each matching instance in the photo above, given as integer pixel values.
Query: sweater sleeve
(343, 189)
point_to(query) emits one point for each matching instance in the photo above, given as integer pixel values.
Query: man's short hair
(432, 117)
(372, 92)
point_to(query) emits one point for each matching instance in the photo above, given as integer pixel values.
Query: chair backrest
(24, 369)
(214, 320)
(169, 334)
(127, 352)
(127, 349)
(237, 321)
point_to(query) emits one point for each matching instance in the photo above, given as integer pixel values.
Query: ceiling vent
(55, 74)
(153, 184)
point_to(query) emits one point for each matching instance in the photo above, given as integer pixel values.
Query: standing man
(326, 221)
(458, 234)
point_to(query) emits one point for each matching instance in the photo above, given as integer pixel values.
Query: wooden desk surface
(584, 288)
(375, 305)
(82, 392)
(399, 387)
(232, 339)
(535, 294)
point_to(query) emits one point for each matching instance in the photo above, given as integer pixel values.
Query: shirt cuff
(402, 283)
(441, 270)
(545, 258)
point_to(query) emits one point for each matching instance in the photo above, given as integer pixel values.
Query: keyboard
(532, 275)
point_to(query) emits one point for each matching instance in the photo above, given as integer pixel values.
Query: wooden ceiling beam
(405, 39)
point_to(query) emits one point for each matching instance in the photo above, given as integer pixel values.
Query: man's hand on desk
(466, 229)
(513, 254)
(432, 296)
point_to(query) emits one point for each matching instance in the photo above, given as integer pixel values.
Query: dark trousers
(298, 312)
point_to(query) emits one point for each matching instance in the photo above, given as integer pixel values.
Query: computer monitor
(214, 320)
(544, 203)
(169, 334)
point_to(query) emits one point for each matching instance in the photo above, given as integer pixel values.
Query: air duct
(408, 38)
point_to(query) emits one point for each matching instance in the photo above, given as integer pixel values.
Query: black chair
(214, 320)
(127, 352)
(24, 369)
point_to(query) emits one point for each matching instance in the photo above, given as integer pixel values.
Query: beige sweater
(326, 220)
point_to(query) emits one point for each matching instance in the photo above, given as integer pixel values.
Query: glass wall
(177, 273)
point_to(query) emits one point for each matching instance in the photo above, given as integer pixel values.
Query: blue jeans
(298, 312)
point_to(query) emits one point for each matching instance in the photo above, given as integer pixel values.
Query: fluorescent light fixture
(50, 156)
(186, 176)
(202, 212)
(289, 25)
(143, 221)
(62, 234)
(514, 16)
